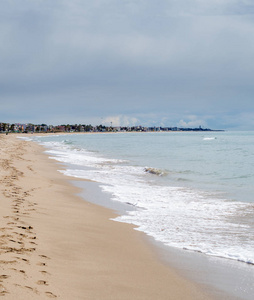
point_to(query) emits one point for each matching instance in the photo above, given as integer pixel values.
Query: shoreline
(221, 278)
(53, 244)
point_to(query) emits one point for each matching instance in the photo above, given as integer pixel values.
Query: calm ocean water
(190, 190)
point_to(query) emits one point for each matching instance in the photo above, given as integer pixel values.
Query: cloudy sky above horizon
(129, 62)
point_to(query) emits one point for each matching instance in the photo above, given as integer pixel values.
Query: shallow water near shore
(220, 278)
(191, 191)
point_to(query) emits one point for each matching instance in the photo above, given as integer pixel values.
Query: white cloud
(191, 122)
(120, 120)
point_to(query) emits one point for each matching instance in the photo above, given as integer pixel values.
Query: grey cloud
(109, 58)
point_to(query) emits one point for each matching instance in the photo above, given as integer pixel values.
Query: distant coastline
(44, 128)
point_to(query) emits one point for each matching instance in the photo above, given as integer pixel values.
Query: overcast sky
(130, 62)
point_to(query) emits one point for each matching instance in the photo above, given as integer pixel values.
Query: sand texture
(53, 244)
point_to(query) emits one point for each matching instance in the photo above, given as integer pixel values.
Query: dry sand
(54, 244)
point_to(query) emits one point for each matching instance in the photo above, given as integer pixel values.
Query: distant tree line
(44, 128)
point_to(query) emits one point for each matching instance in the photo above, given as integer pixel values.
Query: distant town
(44, 128)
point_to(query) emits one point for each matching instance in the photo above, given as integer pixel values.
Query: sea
(192, 191)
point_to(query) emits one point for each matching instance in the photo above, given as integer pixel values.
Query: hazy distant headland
(39, 128)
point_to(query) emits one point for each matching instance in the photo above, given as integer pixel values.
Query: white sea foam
(25, 138)
(178, 217)
(209, 138)
(64, 152)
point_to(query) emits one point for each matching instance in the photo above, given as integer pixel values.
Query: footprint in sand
(19, 251)
(25, 227)
(20, 271)
(50, 295)
(11, 223)
(5, 228)
(28, 287)
(3, 290)
(33, 243)
(32, 289)
(21, 234)
(42, 282)
(23, 259)
(4, 277)
(44, 273)
(6, 262)
(44, 256)
(5, 236)
(13, 241)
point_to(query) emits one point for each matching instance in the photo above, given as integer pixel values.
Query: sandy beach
(53, 244)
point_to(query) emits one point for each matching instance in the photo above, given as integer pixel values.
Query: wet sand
(55, 245)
